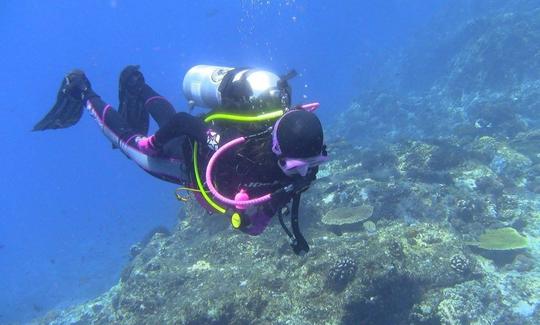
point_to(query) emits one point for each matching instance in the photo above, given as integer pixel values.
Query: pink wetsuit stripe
(152, 98)
(131, 138)
(105, 111)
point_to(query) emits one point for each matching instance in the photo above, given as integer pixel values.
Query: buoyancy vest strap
(300, 245)
(284, 226)
(298, 242)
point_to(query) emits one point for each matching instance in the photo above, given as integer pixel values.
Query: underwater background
(428, 212)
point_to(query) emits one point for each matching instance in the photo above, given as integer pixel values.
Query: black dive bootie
(131, 102)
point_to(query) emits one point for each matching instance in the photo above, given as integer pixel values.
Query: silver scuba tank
(202, 83)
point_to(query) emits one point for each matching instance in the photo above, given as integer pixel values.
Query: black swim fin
(131, 104)
(66, 111)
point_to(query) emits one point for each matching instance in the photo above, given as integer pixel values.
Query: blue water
(70, 206)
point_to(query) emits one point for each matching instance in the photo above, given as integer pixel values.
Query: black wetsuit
(177, 131)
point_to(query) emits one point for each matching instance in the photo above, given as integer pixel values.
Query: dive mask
(293, 166)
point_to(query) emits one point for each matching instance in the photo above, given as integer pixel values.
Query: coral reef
(347, 218)
(341, 273)
(460, 263)
(347, 215)
(173, 283)
(370, 227)
(502, 239)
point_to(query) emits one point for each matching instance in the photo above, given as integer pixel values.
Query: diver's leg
(108, 118)
(181, 124)
(76, 91)
(134, 145)
(158, 106)
(138, 98)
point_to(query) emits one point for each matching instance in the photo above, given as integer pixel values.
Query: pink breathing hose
(214, 191)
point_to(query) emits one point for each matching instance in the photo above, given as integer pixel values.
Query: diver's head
(297, 140)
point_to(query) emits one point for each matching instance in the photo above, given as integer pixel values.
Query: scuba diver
(247, 159)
